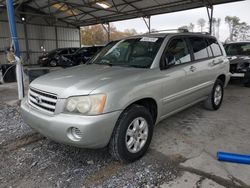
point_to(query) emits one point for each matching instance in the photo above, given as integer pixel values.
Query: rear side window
(199, 48)
(214, 45)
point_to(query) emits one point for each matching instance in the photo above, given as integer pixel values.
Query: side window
(215, 47)
(209, 49)
(177, 52)
(199, 47)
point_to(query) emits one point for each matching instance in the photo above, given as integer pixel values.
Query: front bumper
(96, 130)
(238, 75)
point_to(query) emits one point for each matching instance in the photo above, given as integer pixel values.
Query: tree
(93, 35)
(184, 27)
(96, 35)
(191, 27)
(201, 23)
(214, 21)
(238, 31)
(232, 22)
(218, 28)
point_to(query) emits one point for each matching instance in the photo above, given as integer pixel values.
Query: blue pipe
(232, 157)
(12, 23)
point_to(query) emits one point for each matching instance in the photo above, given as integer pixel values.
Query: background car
(239, 55)
(51, 58)
(82, 55)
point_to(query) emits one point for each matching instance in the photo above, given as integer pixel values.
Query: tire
(119, 146)
(53, 63)
(246, 79)
(211, 103)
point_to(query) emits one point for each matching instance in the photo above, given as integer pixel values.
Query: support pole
(210, 10)
(56, 35)
(109, 32)
(80, 37)
(106, 27)
(148, 23)
(26, 41)
(19, 68)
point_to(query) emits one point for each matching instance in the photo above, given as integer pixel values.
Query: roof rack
(179, 31)
(205, 33)
(171, 30)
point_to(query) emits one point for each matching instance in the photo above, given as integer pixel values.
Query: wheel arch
(149, 103)
(222, 77)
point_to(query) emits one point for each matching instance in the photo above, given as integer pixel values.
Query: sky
(240, 9)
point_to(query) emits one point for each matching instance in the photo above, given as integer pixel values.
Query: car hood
(236, 59)
(82, 79)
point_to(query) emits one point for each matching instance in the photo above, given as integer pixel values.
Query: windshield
(139, 52)
(238, 49)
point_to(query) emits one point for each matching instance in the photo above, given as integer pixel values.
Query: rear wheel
(132, 134)
(214, 100)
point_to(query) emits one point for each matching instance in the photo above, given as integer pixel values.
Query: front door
(175, 58)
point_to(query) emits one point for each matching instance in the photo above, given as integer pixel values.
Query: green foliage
(96, 35)
(238, 30)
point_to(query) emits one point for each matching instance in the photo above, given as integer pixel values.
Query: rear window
(199, 48)
(214, 45)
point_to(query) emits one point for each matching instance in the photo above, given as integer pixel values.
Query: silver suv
(118, 97)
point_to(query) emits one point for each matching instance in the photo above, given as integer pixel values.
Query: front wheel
(132, 134)
(214, 100)
(53, 63)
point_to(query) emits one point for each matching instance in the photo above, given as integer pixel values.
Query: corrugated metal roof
(88, 12)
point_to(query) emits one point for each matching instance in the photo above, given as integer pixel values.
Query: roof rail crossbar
(171, 30)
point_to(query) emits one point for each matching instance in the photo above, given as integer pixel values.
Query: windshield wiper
(135, 66)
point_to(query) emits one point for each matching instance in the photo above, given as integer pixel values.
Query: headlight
(87, 105)
(45, 58)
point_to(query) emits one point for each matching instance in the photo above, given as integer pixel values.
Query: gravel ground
(31, 160)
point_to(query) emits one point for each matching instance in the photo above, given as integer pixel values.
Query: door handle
(214, 62)
(192, 68)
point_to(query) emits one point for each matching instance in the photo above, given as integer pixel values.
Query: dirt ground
(182, 153)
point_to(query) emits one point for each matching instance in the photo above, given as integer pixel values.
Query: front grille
(42, 100)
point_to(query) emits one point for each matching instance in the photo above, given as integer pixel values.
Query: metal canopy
(89, 12)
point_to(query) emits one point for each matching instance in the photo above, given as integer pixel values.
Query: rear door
(218, 61)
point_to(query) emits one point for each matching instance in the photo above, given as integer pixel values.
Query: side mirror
(168, 61)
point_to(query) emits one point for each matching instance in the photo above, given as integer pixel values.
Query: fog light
(75, 134)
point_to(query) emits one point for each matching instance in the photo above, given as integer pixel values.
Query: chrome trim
(42, 100)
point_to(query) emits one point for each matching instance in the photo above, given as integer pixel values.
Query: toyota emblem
(38, 99)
